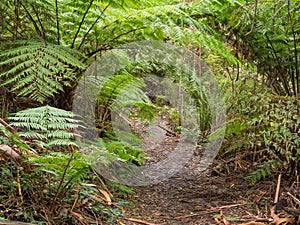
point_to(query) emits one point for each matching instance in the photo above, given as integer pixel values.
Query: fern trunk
(64, 99)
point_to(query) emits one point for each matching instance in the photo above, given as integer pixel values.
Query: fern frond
(38, 69)
(47, 125)
(181, 23)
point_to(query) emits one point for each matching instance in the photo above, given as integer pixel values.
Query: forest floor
(195, 198)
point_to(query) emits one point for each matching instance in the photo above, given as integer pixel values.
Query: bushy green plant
(264, 128)
(57, 183)
(276, 136)
(54, 182)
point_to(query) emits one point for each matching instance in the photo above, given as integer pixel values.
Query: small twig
(19, 185)
(140, 221)
(277, 189)
(260, 197)
(293, 197)
(101, 181)
(167, 130)
(210, 211)
(8, 127)
(273, 208)
(197, 214)
(98, 198)
(252, 220)
(294, 212)
(61, 182)
(3, 222)
(76, 200)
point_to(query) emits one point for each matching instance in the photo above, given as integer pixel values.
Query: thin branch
(8, 127)
(283, 80)
(57, 22)
(209, 211)
(105, 47)
(2, 222)
(11, 31)
(17, 22)
(127, 32)
(61, 181)
(297, 91)
(81, 22)
(40, 22)
(140, 221)
(254, 18)
(85, 35)
(102, 48)
(32, 20)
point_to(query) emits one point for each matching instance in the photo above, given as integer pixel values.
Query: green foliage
(122, 94)
(37, 69)
(126, 152)
(71, 34)
(267, 130)
(46, 126)
(71, 168)
(236, 139)
(57, 183)
(276, 134)
(10, 139)
(267, 32)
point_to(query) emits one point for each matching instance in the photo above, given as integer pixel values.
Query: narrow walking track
(191, 198)
(185, 199)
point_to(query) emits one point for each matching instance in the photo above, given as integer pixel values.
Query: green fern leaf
(47, 126)
(38, 69)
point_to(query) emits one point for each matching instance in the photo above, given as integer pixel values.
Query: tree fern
(182, 23)
(46, 126)
(42, 69)
(270, 33)
(38, 69)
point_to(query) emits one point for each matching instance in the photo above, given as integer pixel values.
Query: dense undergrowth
(252, 47)
(45, 179)
(263, 130)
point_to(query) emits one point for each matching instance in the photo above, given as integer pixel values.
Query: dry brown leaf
(77, 215)
(284, 221)
(106, 195)
(222, 220)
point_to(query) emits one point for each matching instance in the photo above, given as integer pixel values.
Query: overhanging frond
(38, 69)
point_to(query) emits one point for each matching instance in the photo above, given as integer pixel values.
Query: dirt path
(186, 199)
(196, 198)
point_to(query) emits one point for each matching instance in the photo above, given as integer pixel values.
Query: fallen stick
(140, 221)
(8, 127)
(277, 189)
(3, 222)
(210, 211)
(293, 197)
(266, 220)
(167, 130)
(276, 197)
(10, 152)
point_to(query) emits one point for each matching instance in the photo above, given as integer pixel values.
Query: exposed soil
(190, 197)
